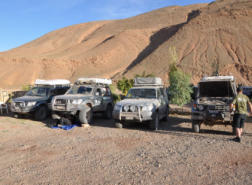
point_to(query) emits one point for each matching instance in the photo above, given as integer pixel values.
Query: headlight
(126, 108)
(200, 107)
(132, 108)
(117, 107)
(31, 103)
(77, 101)
(147, 107)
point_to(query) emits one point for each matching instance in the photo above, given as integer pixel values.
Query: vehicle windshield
(38, 91)
(80, 90)
(141, 93)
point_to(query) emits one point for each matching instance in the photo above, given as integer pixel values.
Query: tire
(41, 113)
(155, 122)
(118, 125)
(108, 112)
(166, 114)
(196, 126)
(86, 115)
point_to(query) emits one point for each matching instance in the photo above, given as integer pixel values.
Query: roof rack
(55, 82)
(94, 81)
(149, 81)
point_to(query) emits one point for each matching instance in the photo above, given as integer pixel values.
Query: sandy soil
(32, 153)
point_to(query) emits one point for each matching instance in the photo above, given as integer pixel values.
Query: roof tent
(55, 82)
(149, 81)
(94, 81)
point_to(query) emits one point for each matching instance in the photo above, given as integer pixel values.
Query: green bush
(116, 97)
(180, 88)
(124, 85)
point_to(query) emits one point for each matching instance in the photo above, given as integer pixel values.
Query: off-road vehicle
(37, 101)
(146, 102)
(85, 97)
(212, 104)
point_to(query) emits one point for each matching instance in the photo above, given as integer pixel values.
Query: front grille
(216, 107)
(20, 104)
(61, 101)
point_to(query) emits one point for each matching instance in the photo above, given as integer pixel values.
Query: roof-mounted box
(55, 82)
(149, 81)
(94, 81)
(217, 78)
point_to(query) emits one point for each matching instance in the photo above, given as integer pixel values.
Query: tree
(180, 87)
(125, 84)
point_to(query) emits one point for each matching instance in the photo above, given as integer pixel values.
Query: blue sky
(25, 20)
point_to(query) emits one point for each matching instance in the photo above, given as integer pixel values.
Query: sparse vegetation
(144, 75)
(26, 87)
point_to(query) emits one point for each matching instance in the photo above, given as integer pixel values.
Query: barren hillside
(204, 35)
(219, 34)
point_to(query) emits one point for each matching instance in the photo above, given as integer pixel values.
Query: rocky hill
(204, 36)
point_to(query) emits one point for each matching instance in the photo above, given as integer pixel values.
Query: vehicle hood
(139, 102)
(30, 98)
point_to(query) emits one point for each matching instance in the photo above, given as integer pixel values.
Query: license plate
(129, 117)
(17, 109)
(213, 111)
(213, 115)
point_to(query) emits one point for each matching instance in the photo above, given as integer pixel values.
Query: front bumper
(22, 110)
(212, 116)
(132, 116)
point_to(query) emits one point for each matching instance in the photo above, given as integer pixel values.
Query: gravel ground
(32, 153)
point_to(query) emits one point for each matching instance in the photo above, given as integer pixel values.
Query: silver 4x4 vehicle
(212, 104)
(37, 101)
(146, 101)
(85, 97)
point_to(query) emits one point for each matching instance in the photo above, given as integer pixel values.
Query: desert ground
(33, 153)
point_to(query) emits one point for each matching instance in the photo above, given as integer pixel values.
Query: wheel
(41, 113)
(166, 114)
(108, 112)
(118, 125)
(16, 115)
(86, 115)
(196, 126)
(155, 122)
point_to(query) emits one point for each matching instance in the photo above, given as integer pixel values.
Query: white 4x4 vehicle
(86, 96)
(146, 102)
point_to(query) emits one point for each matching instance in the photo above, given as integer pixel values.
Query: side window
(107, 91)
(61, 91)
(98, 92)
